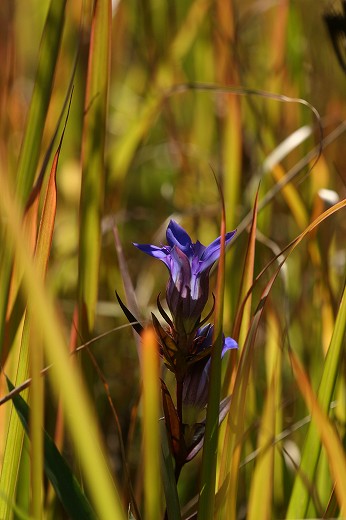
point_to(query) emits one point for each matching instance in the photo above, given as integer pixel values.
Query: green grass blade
(209, 460)
(48, 55)
(14, 442)
(58, 471)
(14, 435)
(30, 150)
(230, 458)
(94, 132)
(168, 479)
(330, 438)
(300, 497)
(65, 377)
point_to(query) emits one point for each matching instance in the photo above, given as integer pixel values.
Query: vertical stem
(180, 381)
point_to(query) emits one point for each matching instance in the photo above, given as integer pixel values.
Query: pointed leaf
(132, 320)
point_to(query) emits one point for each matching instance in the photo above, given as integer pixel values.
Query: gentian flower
(189, 266)
(185, 342)
(196, 380)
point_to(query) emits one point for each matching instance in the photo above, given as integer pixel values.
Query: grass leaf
(300, 496)
(58, 471)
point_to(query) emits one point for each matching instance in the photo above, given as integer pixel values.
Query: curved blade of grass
(291, 195)
(30, 149)
(65, 377)
(42, 252)
(58, 471)
(329, 437)
(300, 496)
(151, 424)
(15, 307)
(209, 460)
(14, 441)
(94, 132)
(49, 49)
(230, 458)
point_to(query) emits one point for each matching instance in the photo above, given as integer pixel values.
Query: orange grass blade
(230, 457)
(151, 426)
(42, 252)
(30, 350)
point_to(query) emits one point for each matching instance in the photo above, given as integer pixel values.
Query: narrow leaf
(300, 496)
(58, 471)
(93, 178)
(65, 377)
(134, 322)
(327, 432)
(151, 426)
(208, 478)
(168, 478)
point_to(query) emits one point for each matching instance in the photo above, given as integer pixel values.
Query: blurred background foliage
(161, 148)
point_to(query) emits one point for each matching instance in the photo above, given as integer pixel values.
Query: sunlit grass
(165, 97)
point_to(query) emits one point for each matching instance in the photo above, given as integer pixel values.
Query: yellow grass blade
(261, 491)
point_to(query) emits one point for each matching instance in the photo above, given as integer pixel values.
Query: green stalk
(94, 133)
(30, 150)
(209, 460)
(65, 378)
(300, 497)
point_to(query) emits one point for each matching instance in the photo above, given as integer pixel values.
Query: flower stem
(180, 382)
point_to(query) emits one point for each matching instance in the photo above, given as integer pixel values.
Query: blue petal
(177, 236)
(229, 344)
(180, 269)
(212, 252)
(198, 249)
(162, 253)
(207, 332)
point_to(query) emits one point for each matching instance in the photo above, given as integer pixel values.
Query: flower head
(189, 266)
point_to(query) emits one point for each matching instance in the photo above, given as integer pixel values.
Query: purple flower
(196, 381)
(189, 265)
